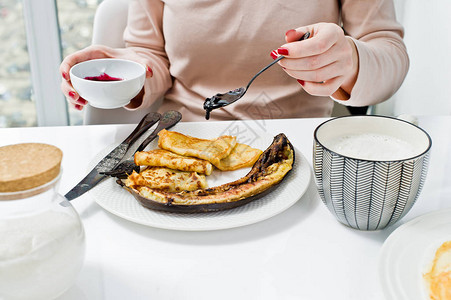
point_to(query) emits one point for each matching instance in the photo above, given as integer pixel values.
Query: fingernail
(150, 71)
(72, 94)
(289, 31)
(282, 51)
(65, 76)
(301, 82)
(78, 107)
(82, 101)
(273, 54)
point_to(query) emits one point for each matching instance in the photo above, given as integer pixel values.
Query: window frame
(44, 48)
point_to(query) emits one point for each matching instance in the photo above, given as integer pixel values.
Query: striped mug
(370, 170)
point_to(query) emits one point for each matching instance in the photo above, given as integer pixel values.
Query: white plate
(116, 200)
(408, 252)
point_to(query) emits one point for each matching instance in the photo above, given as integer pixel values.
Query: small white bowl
(108, 94)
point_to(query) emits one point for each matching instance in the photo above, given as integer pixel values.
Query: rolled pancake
(164, 158)
(241, 156)
(439, 276)
(212, 150)
(167, 179)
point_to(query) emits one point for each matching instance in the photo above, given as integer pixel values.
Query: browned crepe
(241, 156)
(439, 277)
(167, 179)
(212, 150)
(164, 158)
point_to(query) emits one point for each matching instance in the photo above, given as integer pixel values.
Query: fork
(221, 100)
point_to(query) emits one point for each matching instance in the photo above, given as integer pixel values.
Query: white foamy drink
(373, 146)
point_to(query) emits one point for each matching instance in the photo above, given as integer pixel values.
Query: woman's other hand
(326, 64)
(95, 52)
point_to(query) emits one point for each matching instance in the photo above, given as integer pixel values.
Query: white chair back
(110, 21)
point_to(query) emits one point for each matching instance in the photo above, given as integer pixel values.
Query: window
(35, 36)
(75, 20)
(17, 107)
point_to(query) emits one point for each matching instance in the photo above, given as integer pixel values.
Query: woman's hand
(326, 64)
(94, 52)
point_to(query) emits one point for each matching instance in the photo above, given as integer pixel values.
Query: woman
(195, 49)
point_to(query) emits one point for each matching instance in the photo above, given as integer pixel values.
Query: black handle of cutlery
(146, 122)
(169, 119)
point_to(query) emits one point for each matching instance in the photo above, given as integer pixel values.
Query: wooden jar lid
(29, 165)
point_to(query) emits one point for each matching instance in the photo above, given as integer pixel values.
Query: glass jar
(42, 241)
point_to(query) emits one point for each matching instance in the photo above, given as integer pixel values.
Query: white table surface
(302, 253)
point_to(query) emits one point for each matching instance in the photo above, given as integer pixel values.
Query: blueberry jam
(103, 77)
(213, 103)
(221, 100)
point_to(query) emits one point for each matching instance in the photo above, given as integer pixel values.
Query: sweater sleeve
(144, 35)
(383, 58)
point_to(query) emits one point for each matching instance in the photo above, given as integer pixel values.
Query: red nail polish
(301, 82)
(273, 54)
(289, 31)
(78, 107)
(82, 101)
(150, 71)
(65, 76)
(282, 51)
(72, 94)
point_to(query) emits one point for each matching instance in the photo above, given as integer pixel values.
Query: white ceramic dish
(108, 94)
(408, 252)
(116, 200)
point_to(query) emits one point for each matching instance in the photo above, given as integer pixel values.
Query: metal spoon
(221, 100)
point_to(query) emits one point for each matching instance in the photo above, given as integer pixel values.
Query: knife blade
(113, 158)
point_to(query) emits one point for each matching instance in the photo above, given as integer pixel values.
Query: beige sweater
(200, 48)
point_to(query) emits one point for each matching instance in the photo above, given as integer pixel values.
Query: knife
(126, 167)
(168, 119)
(113, 158)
